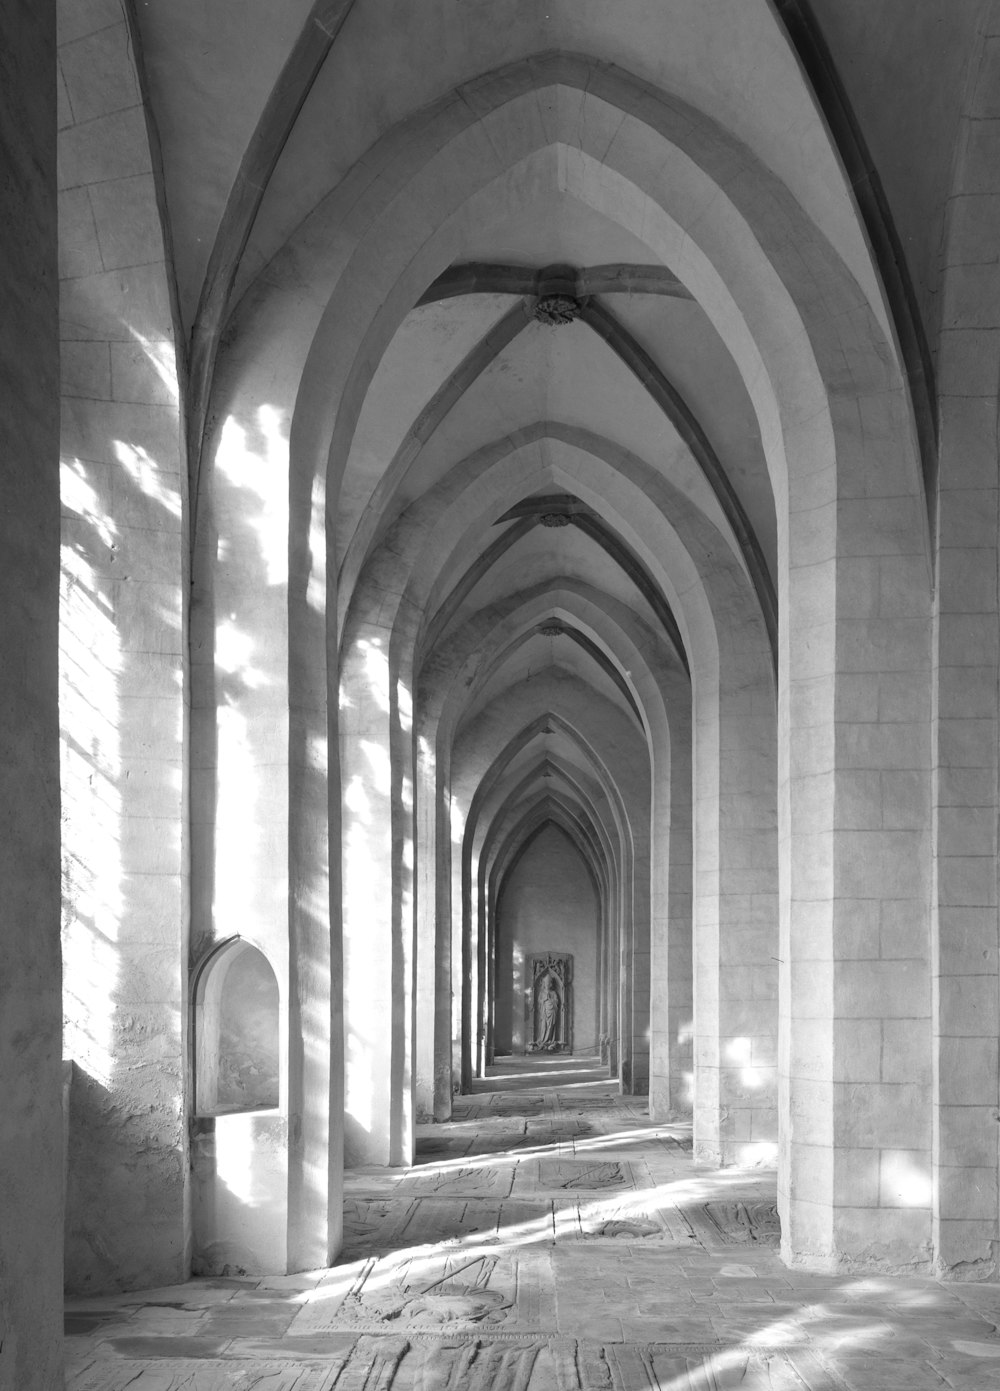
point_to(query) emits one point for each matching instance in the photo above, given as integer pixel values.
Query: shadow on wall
(109, 1152)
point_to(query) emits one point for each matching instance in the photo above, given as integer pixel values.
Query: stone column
(854, 1170)
(735, 886)
(639, 957)
(965, 985)
(377, 781)
(315, 1104)
(425, 928)
(31, 1132)
(433, 1002)
(670, 1082)
(265, 788)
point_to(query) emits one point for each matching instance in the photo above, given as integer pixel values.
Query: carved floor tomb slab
(370, 1224)
(461, 1290)
(737, 1223)
(624, 1222)
(462, 1181)
(416, 1361)
(181, 1374)
(441, 1221)
(561, 1176)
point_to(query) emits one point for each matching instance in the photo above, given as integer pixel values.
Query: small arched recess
(236, 1032)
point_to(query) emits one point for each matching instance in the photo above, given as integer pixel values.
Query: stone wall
(31, 1151)
(122, 669)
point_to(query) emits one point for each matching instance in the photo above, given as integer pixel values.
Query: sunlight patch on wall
(233, 650)
(363, 959)
(161, 357)
(90, 664)
(146, 474)
(761, 1154)
(234, 890)
(379, 764)
(234, 1151)
(356, 801)
(375, 660)
(904, 1181)
(404, 706)
(316, 588)
(256, 462)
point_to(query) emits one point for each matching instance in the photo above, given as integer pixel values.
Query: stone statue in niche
(548, 1016)
(550, 1004)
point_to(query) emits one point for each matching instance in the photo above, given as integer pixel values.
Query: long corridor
(549, 1238)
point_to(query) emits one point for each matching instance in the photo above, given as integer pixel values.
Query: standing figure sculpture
(548, 1017)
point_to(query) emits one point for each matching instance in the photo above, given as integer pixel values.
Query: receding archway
(547, 904)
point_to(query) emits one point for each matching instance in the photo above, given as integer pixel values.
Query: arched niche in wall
(236, 1031)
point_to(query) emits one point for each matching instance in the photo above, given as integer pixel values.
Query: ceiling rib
(492, 279)
(552, 628)
(805, 38)
(684, 421)
(484, 562)
(302, 66)
(472, 366)
(540, 509)
(481, 277)
(532, 512)
(598, 530)
(547, 811)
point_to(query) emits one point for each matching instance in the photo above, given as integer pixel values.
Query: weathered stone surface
(31, 1145)
(660, 1299)
(122, 682)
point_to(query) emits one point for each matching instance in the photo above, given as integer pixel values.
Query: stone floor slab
(548, 1239)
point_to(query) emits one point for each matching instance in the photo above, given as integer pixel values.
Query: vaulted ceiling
(545, 441)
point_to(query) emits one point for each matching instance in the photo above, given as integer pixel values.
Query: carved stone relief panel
(549, 1021)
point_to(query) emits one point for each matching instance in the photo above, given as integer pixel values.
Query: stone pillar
(965, 985)
(854, 1171)
(639, 958)
(671, 1076)
(432, 1022)
(377, 781)
(735, 884)
(315, 1104)
(242, 831)
(424, 928)
(444, 1053)
(31, 1132)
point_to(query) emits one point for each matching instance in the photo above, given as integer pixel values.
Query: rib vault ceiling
(548, 472)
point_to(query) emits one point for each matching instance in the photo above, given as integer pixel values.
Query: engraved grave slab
(463, 1291)
(183, 1374)
(737, 1223)
(438, 1221)
(370, 1224)
(577, 1175)
(605, 1222)
(463, 1181)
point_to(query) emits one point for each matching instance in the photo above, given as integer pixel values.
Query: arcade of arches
(524, 483)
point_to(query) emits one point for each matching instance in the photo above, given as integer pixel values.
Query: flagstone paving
(550, 1238)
